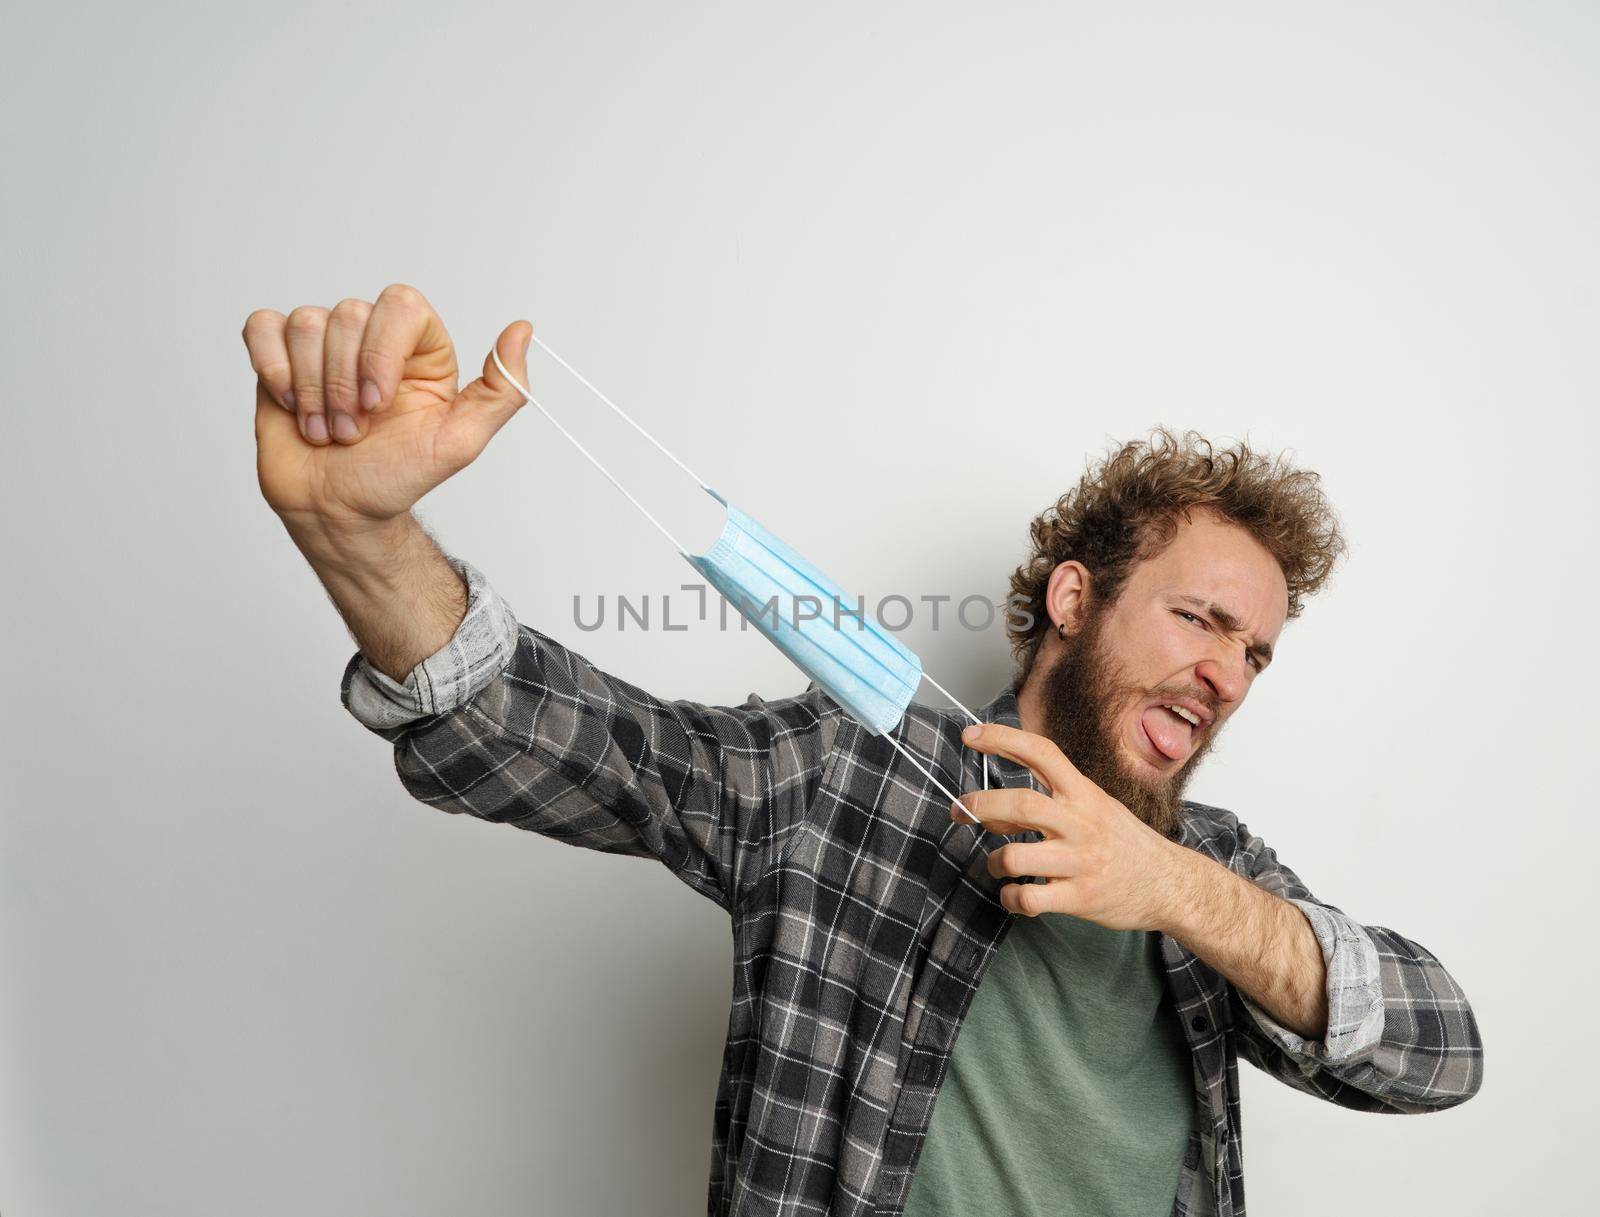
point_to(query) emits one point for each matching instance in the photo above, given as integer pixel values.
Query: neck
(1030, 700)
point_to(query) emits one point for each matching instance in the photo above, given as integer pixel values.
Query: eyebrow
(1261, 650)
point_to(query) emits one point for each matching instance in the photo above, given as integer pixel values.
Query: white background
(887, 274)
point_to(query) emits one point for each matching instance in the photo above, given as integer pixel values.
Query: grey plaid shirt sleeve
(506, 724)
(476, 655)
(1401, 1035)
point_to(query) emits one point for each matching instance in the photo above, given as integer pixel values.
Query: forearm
(1262, 944)
(396, 591)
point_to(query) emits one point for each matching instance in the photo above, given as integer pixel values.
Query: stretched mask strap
(618, 410)
(698, 480)
(928, 773)
(594, 460)
(950, 697)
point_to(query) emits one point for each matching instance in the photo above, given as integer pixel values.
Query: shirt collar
(1003, 772)
(1003, 709)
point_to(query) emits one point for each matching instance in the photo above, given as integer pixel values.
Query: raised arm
(357, 416)
(507, 725)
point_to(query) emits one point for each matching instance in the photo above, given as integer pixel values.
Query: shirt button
(1200, 1022)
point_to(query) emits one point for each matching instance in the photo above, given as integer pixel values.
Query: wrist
(359, 546)
(1189, 893)
(395, 589)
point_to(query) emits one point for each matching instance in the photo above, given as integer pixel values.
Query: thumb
(488, 403)
(492, 393)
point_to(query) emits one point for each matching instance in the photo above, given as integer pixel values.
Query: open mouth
(1171, 728)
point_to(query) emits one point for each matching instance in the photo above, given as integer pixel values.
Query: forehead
(1220, 562)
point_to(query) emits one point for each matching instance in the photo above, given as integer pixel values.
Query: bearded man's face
(1084, 695)
(1137, 694)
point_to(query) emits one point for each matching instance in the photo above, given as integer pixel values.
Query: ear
(1066, 596)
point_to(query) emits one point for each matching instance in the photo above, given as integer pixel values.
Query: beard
(1082, 697)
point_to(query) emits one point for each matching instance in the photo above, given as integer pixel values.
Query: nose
(1225, 675)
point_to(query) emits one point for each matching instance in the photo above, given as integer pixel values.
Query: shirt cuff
(1355, 994)
(478, 652)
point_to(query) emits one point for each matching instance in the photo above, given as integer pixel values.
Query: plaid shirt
(863, 916)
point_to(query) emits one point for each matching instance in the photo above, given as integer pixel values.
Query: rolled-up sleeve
(478, 652)
(1401, 1035)
(1355, 994)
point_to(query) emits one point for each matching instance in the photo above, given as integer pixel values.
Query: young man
(911, 1031)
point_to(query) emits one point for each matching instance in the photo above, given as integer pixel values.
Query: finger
(404, 340)
(1032, 899)
(304, 332)
(269, 354)
(1048, 763)
(488, 403)
(1012, 810)
(341, 349)
(1044, 859)
(275, 426)
(493, 390)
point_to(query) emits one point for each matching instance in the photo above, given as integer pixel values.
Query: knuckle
(308, 319)
(350, 310)
(375, 364)
(261, 319)
(340, 390)
(402, 294)
(274, 373)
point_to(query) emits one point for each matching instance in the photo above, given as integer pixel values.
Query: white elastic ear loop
(594, 460)
(662, 529)
(619, 411)
(985, 765)
(928, 773)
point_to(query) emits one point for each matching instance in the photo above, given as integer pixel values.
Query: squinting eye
(1187, 616)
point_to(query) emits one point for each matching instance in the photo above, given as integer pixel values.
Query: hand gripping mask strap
(868, 672)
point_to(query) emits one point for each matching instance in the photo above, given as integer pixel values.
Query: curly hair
(1127, 509)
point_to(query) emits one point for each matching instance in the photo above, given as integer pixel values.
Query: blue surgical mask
(868, 672)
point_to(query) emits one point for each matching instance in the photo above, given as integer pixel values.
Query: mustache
(1085, 697)
(1210, 701)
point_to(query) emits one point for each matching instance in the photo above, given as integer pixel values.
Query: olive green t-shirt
(1070, 1090)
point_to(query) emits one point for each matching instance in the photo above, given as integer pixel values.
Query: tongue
(1169, 733)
